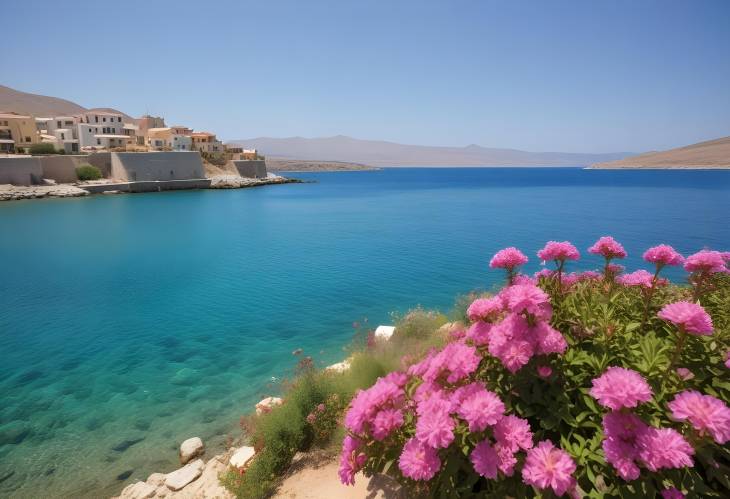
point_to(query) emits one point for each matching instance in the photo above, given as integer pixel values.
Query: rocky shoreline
(10, 192)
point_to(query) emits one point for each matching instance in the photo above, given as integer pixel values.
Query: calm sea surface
(129, 323)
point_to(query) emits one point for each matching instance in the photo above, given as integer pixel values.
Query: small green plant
(88, 172)
(42, 148)
(419, 324)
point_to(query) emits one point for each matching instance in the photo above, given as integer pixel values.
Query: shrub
(42, 148)
(88, 172)
(596, 383)
(418, 324)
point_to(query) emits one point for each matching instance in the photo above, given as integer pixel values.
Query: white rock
(384, 332)
(267, 404)
(180, 478)
(138, 490)
(339, 367)
(241, 457)
(190, 448)
(156, 479)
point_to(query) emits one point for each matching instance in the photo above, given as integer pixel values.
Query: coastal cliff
(712, 154)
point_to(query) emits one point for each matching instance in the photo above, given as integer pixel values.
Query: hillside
(709, 154)
(42, 105)
(382, 153)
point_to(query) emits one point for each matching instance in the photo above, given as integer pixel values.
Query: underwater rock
(14, 432)
(123, 476)
(126, 444)
(185, 376)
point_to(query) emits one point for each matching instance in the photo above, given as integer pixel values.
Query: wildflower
(311, 418)
(560, 251)
(614, 269)
(364, 406)
(620, 430)
(513, 433)
(638, 278)
(663, 255)
(672, 493)
(478, 333)
(546, 273)
(435, 426)
(684, 373)
(544, 371)
(664, 448)
(351, 460)
(705, 262)
(706, 414)
(608, 247)
(688, 316)
(524, 279)
(619, 387)
(589, 275)
(527, 299)
(485, 459)
(547, 466)
(549, 339)
(508, 258)
(727, 359)
(506, 459)
(418, 461)
(321, 407)
(484, 309)
(385, 422)
(480, 408)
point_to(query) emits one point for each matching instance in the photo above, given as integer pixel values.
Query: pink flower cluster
(706, 262)
(640, 278)
(689, 317)
(560, 251)
(707, 414)
(663, 255)
(628, 441)
(508, 258)
(608, 247)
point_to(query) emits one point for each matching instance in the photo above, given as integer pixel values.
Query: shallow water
(129, 323)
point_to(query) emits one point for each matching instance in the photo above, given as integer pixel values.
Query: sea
(130, 323)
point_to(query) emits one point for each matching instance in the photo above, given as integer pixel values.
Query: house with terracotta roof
(169, 139)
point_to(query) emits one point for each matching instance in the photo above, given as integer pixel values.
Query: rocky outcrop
(178, 479)
(237, 182)
(241, 457)
(14, 192)
(267, 404)
(191, 448)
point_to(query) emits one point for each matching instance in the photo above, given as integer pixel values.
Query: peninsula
(712, 154)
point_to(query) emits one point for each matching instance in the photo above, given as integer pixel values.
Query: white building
(102, 130)
(61, 131)
(169, 139)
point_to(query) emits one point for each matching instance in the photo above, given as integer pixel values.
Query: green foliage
(418, 324)
(88, 172)
(42, 148)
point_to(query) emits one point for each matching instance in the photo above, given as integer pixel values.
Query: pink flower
(707, 414)
(620, 431)
(527, 299)
(619, 387)
(608, 247)
(684, 373)
(321, 407)
(663, 255)
(435, 426)
(515, 354)
(478, 333)
(615, 268)
(524, 279)
(385, 422)
(544, 273)
(664, 448)
(351, 460)
(508, 258)
(561, 251)
(549, 339)
(544, 371)
(506, 459)
(485, 460)
(589, 275)
(311, 418)
(672, 493)
(638, 278)
(688, 316)
(418, 461)
(706, 262)
(484, 309)
(455, 360)
(727, 359)
(513, 433)
(366, 403)
(547, 466)
(480, 408)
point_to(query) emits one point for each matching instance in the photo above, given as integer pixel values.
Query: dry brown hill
(42, 105)
(710, 154)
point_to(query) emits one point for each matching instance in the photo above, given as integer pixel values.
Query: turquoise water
(129, 323)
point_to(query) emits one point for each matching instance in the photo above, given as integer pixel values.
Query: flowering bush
(586, 384)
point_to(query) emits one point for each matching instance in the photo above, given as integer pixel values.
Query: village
(100, 151)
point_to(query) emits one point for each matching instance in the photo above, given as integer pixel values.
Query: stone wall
(24, 170)
(149, 186)
(251, 168)
(156, 166)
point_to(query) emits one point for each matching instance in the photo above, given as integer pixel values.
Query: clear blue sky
(589, 76)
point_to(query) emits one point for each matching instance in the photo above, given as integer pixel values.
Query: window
(27, 139)
(63, 136)
(58, 124)
(98, 142)
(69, 123)
(104, 120)
(119, 119)
(89, 130)
(96, 119)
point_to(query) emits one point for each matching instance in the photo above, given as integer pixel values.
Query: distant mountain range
(709, 154)
(382, 153)
(41, 105)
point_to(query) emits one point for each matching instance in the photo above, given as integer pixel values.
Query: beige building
(169, 139)
(61, 131)
(17, 131)
(207, 142)
(145, 123)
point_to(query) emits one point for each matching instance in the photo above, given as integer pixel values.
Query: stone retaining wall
(251, 168)
(149, 186)
(23, 170)
(156, 166)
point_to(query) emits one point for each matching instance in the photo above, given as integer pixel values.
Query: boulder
(384, 333)
(267, 404)
(339, 367)
(156, 479)
(138, 490)
(190, 448)
(242, 457)
(180, 478)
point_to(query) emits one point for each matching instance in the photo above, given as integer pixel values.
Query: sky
(574, 76)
